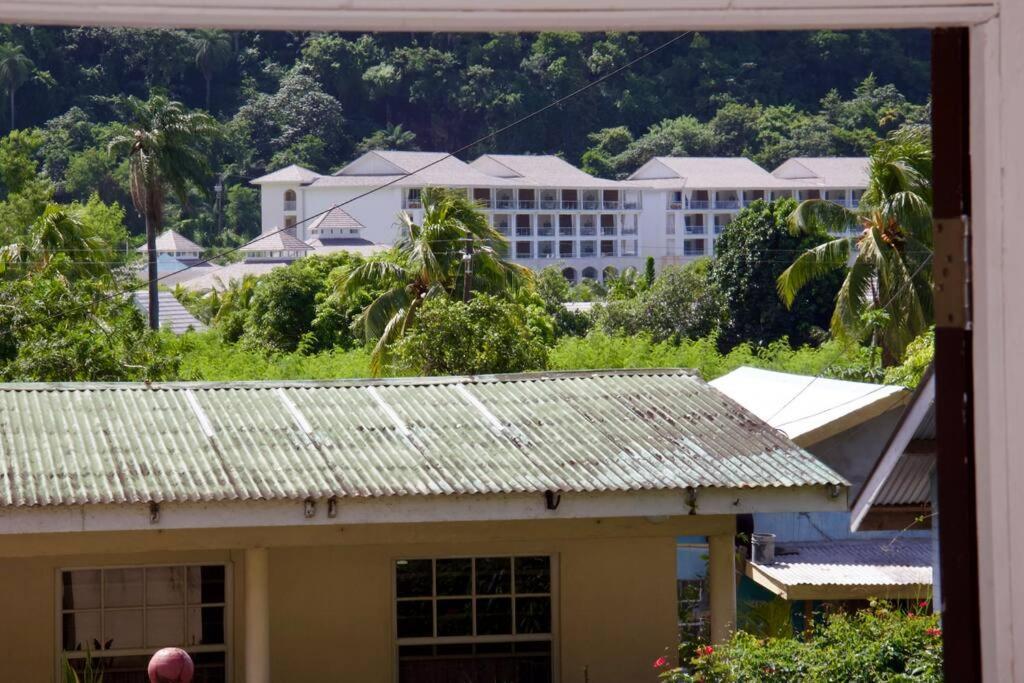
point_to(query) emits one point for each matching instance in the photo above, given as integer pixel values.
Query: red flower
(704, 650)
(934, 632)
(922, 604)
(660, 662)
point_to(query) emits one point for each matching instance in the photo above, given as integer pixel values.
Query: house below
(516, 528)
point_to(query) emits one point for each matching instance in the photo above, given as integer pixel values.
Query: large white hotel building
(671, 208)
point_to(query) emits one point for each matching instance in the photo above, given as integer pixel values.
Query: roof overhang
(863, 591)
(417, 509)
(898, 444)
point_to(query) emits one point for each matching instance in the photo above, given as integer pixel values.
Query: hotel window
(524, 250)
(289, 222)
(123, 614)
(475, 619)
(670, 224)
(693, 247)
(413, 199)
(545, 225)
(545, 249)
(289, 200)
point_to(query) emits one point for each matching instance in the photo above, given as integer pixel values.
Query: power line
(551, 105)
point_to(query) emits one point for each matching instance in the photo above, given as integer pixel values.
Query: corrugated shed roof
(172, 313)
(575, 432)
(909, 483)
(876, 562)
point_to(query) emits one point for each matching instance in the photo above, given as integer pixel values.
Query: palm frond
(813, 263)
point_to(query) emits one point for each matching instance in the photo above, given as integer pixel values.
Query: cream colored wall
(331, 591)
(28, 608)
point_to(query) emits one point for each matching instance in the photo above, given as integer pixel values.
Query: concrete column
(722, 585)
(257, 616)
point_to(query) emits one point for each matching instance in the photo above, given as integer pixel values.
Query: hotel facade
(671, 208)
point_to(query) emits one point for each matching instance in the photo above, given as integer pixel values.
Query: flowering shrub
(876, 644)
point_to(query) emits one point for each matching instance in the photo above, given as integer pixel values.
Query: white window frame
(59, 611)
(551, 637)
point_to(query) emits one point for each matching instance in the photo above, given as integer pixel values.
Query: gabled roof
(824, 172)
(585, 432)
(703, 173)
(848, 569)
(336, 218)
(539, 170)
(276, 241)
(808, 409)
(899, 477)
(408, 169)
(170, 240)
(172, 313)
(294, 175)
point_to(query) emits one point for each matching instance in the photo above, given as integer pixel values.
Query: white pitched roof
(539, 170)
(219, 277)
(337, 218)
(824, 172)
(294, 174)
(408, 169)
(169, 240)
(808, 409)
(703, 173)
(277, 241)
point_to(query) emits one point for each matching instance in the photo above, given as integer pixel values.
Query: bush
(751, 253)
(487, 335)
(876, 644)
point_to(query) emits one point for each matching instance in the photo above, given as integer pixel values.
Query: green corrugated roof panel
(584, 431)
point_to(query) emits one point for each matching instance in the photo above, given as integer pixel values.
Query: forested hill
(318, 99)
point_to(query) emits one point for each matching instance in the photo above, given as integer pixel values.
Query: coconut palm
(887, 291)
(57, 238)
(213, 47)
(15, 69)
(166, 152)
(429, 260)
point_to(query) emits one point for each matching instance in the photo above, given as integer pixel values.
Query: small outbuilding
(515, 528)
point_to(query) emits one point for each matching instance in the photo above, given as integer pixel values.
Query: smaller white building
(174, 245)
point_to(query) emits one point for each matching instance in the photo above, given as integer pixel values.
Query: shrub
(486, 335)
(877, 644)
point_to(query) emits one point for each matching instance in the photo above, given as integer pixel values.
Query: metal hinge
(952, 272)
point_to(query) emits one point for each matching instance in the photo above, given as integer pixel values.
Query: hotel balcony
(613, 206)
(570, 205)
(727, 204)
(527, 204)
(675, 206)
(697, 204)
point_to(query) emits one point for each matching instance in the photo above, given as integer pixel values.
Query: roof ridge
(497, 378)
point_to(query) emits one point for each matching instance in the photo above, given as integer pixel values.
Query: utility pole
(467, 263)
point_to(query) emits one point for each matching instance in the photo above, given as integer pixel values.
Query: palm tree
(432, 258)
(58, 238)
(15, 69)
(165, 151)
(887, 291)
(390, 137)
(213, 47)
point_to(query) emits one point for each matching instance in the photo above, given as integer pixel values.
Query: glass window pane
(415, 619)
(206, 584)
(493, 616)
(165, 626)
(413, 578)
(493, 575)
(455, 577)
(82, 631)
(122, 587)
(165, 586)
(122, 628)
(205, 626)
(533, 615)
(533, 574)
(81, 589)
(455, 617)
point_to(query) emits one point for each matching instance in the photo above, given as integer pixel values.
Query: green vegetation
(877, 644)
(887, 292)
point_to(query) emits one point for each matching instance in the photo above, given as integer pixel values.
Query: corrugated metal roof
(909, 483)
(172, 313)
(894, 562)
(594, 431)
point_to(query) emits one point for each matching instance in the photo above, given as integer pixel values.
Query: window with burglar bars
(121, 615)
(475, 619)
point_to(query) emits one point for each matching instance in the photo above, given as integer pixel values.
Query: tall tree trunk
(208, 79)
(12, 107)
(154, 303)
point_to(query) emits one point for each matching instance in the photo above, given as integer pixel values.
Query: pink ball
(171, 665)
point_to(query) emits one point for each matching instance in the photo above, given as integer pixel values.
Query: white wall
(378, 211)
